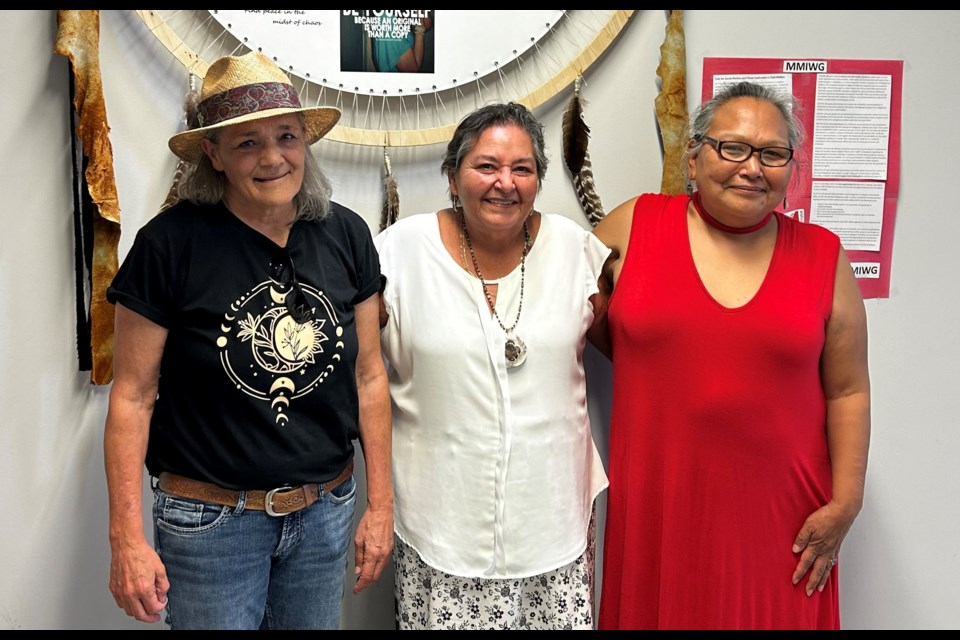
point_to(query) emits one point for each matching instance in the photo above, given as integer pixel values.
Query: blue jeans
(236, 568)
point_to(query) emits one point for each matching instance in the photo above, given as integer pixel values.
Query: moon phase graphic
(270, 356)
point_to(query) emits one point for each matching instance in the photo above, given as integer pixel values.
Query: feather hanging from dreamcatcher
(191, 103)
(576, 138)
(391, 198)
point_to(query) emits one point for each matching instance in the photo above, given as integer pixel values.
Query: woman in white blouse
(486, 308)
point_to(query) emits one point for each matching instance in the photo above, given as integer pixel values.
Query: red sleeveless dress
(718, 448)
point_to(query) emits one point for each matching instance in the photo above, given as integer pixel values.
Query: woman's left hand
(373, 544)
(818, 544)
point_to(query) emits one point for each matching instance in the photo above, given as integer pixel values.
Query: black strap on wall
(83, 240)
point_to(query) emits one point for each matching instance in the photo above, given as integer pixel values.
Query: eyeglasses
(283, 273)
(740, 151)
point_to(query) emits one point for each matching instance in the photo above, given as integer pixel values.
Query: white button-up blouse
(495, 470)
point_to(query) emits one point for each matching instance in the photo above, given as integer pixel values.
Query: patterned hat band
(246, 99)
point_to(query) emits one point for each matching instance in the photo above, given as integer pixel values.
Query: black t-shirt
(249, 398)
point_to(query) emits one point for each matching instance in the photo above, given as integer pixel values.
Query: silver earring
(455, 199)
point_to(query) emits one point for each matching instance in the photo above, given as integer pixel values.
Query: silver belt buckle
(268, 501)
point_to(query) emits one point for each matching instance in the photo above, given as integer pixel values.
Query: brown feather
(190, 109)
(191, 105)
(173, 194)
(576, 137)
(391, 196)
(585, 189)
(576, 134)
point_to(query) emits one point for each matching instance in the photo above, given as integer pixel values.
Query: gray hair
(202, 184)
(475, 123)
(784, 102)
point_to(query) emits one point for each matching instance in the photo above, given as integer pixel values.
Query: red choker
(716, 224)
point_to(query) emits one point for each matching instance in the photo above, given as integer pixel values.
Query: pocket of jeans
(344, 492)
(185, 517)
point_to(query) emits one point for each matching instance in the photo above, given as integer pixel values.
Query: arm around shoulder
(614, 231)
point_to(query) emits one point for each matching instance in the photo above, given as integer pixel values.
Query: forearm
(124, 450)
(846, 385)
(418, 46)
(138, 580)
(137, 350)
(374, 538)
(373, 392)
(376, 438)
(848, 436)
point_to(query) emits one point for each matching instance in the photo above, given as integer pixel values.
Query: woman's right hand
(138, 581)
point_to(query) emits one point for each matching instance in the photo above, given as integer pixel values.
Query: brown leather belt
(276, 502)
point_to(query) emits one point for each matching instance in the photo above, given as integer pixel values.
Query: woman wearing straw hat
(247, 360)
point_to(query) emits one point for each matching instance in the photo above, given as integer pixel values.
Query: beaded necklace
(514, 349)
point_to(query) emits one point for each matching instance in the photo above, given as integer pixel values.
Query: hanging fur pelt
(576, 137)
(671, 104)
(95, 188)
(391, 199)
(190, 103)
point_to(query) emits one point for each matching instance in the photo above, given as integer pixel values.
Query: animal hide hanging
(576, 138)
(190, 104)
(391, 198)
(78, 39)
(671, 104)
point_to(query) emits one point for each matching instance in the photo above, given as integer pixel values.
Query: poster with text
(387, 40)
(848, 177)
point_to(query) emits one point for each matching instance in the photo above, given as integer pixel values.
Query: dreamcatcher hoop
(557, 54)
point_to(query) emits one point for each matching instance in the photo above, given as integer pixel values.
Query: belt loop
(345, 474)
(241, 503)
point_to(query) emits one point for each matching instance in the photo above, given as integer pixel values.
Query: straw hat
(249, 87)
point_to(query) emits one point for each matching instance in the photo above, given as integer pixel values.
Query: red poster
(849, 165)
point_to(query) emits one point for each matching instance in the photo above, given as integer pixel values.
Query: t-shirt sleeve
(383, 241)
(143, 284)
(596, 254)
(366, 261)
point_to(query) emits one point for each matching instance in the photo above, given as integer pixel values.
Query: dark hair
(787, 105)
(202, 184)
(475, 123)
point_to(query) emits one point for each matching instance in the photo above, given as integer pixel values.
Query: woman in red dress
(741, 402)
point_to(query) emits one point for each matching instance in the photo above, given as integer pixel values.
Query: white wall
(902, 555)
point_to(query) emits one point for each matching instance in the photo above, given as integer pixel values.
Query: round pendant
(515, 351)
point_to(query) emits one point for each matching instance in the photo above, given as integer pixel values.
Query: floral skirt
(431, 599)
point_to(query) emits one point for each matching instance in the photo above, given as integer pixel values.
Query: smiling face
(741, 193)
(263, 164)
(497, 180)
